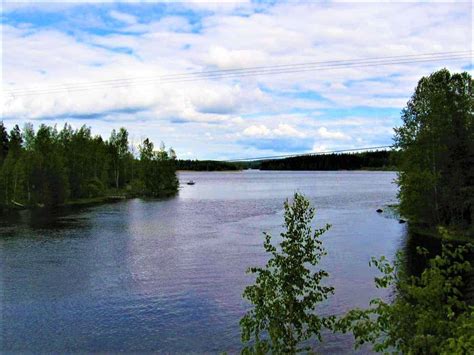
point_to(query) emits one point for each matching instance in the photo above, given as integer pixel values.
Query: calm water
(168, 275)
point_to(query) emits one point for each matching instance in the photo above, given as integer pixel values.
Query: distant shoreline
(237, 171)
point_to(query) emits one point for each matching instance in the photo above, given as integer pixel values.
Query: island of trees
(51, 167)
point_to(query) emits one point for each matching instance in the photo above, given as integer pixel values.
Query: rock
(379, 210)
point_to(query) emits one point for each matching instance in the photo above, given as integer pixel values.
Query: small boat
(190, 182)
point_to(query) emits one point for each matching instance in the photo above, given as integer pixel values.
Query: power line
(235, 73)
(279, 66)
(283, 66)
(308, 154)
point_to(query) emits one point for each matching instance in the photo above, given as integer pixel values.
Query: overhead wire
(281, 66)
(243, 72)
(307, 154)
(222, 74)
(252, 71)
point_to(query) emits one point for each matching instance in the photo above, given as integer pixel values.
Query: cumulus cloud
(282, 130)
(257, 131)
(224, 58)
(323, 132)
(288, 131)
(150, 43)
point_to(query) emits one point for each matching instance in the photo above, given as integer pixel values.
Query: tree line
(51, 167)
(377, 160)
(383, 160)
(207, 165)
(436, 144)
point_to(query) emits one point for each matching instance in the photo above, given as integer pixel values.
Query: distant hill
(377, 160)
(206, 165)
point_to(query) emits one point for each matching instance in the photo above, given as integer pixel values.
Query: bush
(287, 289)
(429, 314)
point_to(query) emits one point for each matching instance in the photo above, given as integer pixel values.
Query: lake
(168, 275)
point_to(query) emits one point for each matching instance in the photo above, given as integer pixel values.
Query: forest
(51, 167)
(436, 144)
(207, 165)
(377, 160)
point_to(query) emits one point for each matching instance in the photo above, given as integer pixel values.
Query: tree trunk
(117, 172)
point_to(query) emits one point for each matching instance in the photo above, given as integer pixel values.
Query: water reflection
(167, 275)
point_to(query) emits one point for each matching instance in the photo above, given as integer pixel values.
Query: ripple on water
(168, 275)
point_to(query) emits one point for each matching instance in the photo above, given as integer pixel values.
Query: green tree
(167, 167)
(28, 136)
(148, 174)
(4, 142)
(436, 143)
(288, 289)
(48, 174)
(429, 314)
(11, 172)
(48, 167)
(16, 140)
(158, 172)
(119, 149)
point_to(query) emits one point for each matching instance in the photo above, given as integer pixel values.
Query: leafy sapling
(289, 287)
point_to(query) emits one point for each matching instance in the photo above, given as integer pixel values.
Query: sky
(59, 44)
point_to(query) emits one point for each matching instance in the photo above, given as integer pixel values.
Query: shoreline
(441, 233)
(84, 202)
(295, 170)
(437, 233)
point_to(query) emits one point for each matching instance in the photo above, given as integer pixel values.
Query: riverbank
(88, 201)
(442, 233)
(209, 171)
(432, 240)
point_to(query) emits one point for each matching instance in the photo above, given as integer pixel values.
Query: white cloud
(123, 17)
(324, 133)
(255, 106)
(318, 148)
(224, 58)
(282, 130)
(288, 131)
(257, 131)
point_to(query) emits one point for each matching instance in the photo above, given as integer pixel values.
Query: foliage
(288, 288)
(157, 169)
(206, 165)
(3, 143)
(51, 167)
(348, 161)
(436, 143)
(428, 315)
(118, 144)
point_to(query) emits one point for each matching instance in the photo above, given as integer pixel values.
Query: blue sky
(49, 44)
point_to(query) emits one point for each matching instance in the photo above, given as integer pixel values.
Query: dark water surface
(167, 275)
